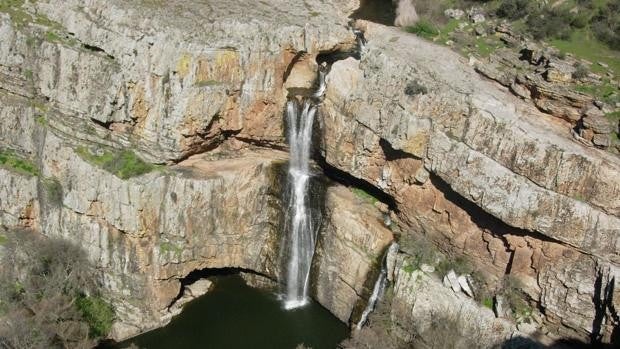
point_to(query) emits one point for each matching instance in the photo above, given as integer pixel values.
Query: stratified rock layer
(478, 171)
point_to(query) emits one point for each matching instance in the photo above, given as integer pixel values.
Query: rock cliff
(199, 88)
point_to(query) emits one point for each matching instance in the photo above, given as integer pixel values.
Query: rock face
(422, 305)
(201, 87)
(507, 185)
(353, 232)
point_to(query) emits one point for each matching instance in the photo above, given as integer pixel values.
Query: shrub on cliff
(47, 296)
(513, 9)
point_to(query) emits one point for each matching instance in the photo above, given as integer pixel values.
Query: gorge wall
(199, 89)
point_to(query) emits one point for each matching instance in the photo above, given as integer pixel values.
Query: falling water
(377, 291)
(322, 86)
(301, 240)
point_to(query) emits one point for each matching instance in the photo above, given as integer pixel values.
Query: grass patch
(409, 268)
(487, 302)
(168, 247)
(98, 314)
(123, 164)
(423, 28)
(364, 195)
(582, 44)
(14, 8)
(41, 120)
(605, 92)
(3, 240)
(613, 117)
(9, 159)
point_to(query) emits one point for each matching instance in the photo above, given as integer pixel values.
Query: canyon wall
(199, 88)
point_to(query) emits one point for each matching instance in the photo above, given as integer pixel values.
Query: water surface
(235, 316)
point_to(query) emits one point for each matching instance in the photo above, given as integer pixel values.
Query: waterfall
(322, 86)
(302, 235)
(377, 291)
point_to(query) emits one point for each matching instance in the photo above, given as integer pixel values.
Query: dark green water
(234, 315)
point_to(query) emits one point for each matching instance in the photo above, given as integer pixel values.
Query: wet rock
(198, 288)
(353, 240)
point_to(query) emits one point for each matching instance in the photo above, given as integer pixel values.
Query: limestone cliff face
(476, 169)
(201, 86)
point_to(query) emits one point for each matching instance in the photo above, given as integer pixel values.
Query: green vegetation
(424, 28)
(488, 302)
(41, 120)
(516, 298)
(124, 164)
(582, 44)
(364, 195)
(10, 159)
(98, 314)
(2, 239)
(43, 283)
(169, 247)
(14, 9)
(53, 191)
(422, 251)
(409, 268)
(204, 83)
(460, 265)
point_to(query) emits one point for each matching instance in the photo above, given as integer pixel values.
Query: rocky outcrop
(201, 88)
(121, 73)
(350, 249)
(505, 179)
(422, 307)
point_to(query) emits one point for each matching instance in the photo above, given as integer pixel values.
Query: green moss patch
(123, 164)
(11, 160)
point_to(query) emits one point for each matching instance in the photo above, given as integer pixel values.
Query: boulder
(559, 72)
(601, 140)
(454, 13)
(198, 288)
(597, 122)
(453, 281)
(465, 285)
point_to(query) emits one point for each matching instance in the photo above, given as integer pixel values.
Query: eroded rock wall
(478, 171)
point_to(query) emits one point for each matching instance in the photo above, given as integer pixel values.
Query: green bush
(515, 297)
(581, 71)
(98, 314)
(606, 24)
(423, 28)
(550, 23)
(53, 191)
(124, 164)
(460, 265)
(10, 159)
(513, 9)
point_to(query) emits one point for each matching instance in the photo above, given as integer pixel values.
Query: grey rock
(454, 13)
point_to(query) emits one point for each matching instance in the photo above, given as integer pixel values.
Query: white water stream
(377, 291)
(302, 236)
